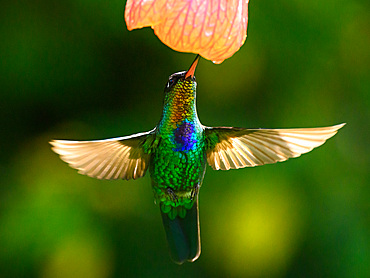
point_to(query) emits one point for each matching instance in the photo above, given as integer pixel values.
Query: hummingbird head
(179, 98)
(183, 81)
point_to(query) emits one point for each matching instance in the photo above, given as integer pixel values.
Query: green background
(71, 70)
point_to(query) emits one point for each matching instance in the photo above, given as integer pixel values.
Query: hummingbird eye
(173, 79)
(171, 82)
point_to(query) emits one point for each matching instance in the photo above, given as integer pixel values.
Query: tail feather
(183, 235)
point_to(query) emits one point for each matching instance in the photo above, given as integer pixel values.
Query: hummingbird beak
(191, 71)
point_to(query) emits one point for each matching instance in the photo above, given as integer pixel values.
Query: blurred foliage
(71, 70)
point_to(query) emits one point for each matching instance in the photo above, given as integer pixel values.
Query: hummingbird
(176, 153)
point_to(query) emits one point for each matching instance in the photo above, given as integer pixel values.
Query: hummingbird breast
(178, 163)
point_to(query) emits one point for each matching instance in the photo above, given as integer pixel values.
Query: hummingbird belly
(177, 168)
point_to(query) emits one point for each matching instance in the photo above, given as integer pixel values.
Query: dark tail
(183, 235)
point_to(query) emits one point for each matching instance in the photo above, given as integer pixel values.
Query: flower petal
(142, 13)
(215, 29)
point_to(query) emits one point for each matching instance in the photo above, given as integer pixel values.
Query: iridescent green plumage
(178, 164)
(176, 153)
(177, 167)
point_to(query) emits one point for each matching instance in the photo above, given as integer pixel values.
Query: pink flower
(215, 29)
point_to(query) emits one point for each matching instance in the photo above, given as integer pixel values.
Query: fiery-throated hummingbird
(176, 152)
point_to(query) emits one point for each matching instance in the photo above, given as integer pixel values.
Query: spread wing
(117, 158)
(233, 148)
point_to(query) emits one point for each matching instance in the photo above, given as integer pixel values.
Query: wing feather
(233, 148)
(117, 158)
